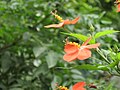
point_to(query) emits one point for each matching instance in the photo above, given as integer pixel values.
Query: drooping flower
(62, 22)
(75, 51)
(79, 86)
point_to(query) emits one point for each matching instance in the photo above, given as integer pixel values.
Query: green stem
(67, 30)
(102, 55)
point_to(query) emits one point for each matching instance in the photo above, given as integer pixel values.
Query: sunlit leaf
(79, 36)
(103, 33)
(92, 67)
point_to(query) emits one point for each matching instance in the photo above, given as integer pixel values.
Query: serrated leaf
(103, 33)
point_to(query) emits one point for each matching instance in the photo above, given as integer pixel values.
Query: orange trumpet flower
(62, 22)
(75, 51)
(79, 86)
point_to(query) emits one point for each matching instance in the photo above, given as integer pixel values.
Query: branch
(11, 44)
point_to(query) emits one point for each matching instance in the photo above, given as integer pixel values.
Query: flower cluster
(74, 50)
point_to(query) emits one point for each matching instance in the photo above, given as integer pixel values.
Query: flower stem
(67, 30)
(102, 55)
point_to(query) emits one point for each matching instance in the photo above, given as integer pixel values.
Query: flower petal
(70, 57)
(79, 86)
(118, 7)
(87, 41)
(84, 54)
(74, 21)
(54, 25)
(92, 46)
(70, 48)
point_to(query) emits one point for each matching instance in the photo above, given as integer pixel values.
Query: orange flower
(118, 5)
(75, 51)
(79, 86)
(62, 22)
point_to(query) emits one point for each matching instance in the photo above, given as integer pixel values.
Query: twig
(11, 44)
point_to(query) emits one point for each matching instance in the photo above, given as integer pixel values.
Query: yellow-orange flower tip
(63, 22)
(62, 88)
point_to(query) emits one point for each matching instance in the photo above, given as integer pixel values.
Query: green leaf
(118, 56)
(109, 87)
(87, 66)
(92, 67)
(38, 50)
(103, 33)
(43, 69)
(16, 89)
(103, 67)
(6, 62)
(56, 79)
(79, 36)
(51, 59)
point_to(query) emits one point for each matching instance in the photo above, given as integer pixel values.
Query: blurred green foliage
(31, 55)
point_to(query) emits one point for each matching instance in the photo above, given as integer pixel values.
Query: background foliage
(30, 55)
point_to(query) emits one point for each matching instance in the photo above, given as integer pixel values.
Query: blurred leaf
(40, 70)
(113, 64)
(106, 22)
(16, 89)
(92, 67)
(109, 87)
(103, 33)
(118, 56)
(87, 66)
(6, 62)
(38, 50)
(26, 36)
(56, 80)
(37, 62)
(51, 59)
